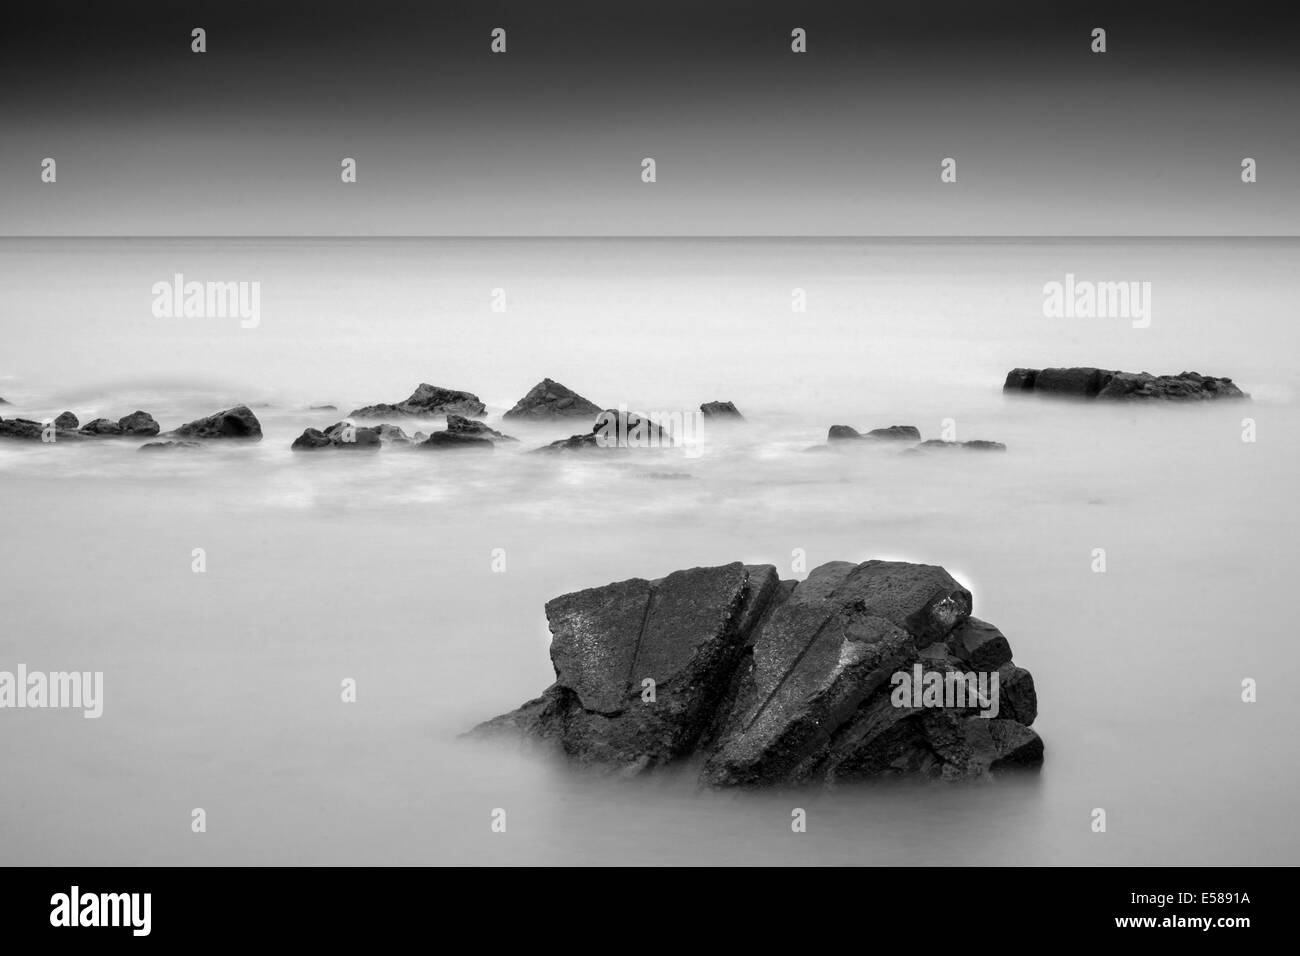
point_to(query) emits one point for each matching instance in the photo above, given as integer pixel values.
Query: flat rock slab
(1085, 382)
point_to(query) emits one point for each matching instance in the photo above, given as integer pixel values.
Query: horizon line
(722, 236)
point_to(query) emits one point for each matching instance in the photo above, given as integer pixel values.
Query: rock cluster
(1088, 383)
(762, 681)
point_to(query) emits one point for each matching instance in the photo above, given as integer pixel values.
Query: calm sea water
(222, 689)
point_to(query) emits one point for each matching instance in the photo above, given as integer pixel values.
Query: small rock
(723, 410)
(67, 422)
(237, 423)
(427, 401)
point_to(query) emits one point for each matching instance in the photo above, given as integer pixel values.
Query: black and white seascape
(589, 446)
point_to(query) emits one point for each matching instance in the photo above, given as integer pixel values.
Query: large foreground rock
(1097, 383)
(761, 681)
(427, 401)
(232, 423)
(549, 400)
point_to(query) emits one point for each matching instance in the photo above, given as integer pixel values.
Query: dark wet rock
(896, 433)
(161, 445)
(892, 433)
(21, 428)
(467, 426)
(615, 429)
(238, 423)
(102, 427)
(977, 444)
(138, 424)
(67, 422)
(549, 400)
(348, 436)
(1020, 380)
(310, 440)
(1096, 383)
(455, 441)
(425, 402)
(772, 682)
(721, 410)
(979, 644)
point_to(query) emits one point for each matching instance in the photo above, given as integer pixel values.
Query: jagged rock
(722, 410)
(310, 440)
(160, 445)
(548, 400)
(233, 423)
(1099, 383)
(615, 429)
(466, 426)
(425, 402)
(67, 422)
(21, 428)
(780, 682)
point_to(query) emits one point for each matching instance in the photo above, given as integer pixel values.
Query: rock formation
(425, 402)
(762, 681)
(615, 429)
(549, 400)
(232, 423)
(1089, 383)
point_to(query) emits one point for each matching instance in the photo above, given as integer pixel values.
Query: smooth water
(222, 689)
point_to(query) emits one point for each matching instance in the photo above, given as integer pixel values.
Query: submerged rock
(1097, 383)
(161, 445)
(454, 441)
(892, 433)
(232, 423)
(615, 429)
(350, 437)
(779, 682)
(460, 425)
(977, 444)
(549, 400)
(721, 410)
(425, 402)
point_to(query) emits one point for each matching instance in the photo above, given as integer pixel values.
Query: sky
(749, 138)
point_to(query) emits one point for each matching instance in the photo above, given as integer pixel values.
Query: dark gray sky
(750, 139)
